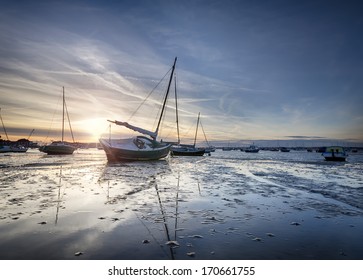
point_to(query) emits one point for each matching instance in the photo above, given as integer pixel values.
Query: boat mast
(196, 131)
(176, 112)
(63, 118)
(7, 138)
(166, 97)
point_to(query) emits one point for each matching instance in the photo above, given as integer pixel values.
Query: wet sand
(231, 205)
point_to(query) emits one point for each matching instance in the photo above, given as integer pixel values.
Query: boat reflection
(172, 243)
(132, 178)
(59, 200)
(148, 190)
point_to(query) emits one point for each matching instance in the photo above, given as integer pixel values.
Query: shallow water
(230, 205)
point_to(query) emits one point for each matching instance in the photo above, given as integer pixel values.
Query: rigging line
(204, 133)
(196, 131)
(142, 103)
(69, 121)
(7, 138)
(51, 123)
(160, 107)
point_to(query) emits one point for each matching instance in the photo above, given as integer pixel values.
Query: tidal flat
(227, 206)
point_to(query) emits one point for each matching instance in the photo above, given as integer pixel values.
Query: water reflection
(172, 243)
(220, 207)
(127, 179)
(59, 200)
(140, 186)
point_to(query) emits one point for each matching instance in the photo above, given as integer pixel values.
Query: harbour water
(230, 205)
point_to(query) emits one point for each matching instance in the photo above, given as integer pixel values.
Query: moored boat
(252, 149)
(335, 153)
(60, 147)
(139, 148)
(188, 150)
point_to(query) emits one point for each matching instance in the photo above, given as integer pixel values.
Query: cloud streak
(252, 70)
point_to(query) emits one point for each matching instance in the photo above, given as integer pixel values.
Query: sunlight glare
(94, 127)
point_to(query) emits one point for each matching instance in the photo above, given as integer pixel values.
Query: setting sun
(94, 127)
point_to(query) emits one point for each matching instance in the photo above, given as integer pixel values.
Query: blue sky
(253, 69)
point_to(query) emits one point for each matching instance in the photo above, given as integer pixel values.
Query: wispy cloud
(253, 71)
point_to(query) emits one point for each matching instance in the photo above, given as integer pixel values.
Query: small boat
(335, 153)
(12, 149)
(139, 148)
(284, 150)
(5, 148)
(18, 149)
(60, 147)
(188, 150)
(252, 149)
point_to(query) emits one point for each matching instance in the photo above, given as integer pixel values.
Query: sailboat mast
(166, 97)
(63, 117)
(196, 131)
(176, 112)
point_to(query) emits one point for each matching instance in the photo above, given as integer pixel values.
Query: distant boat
(321, 149)
(18, 149)
(252, 149)
(284, 150)
(335, 153)
(138, 148)
(188, 150)
(5, 148)
(228, 148)
(60, 147)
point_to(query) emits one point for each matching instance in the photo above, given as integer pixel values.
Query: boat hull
(123, 150)
(187, 152)
(5, 149)
(329, 158)
(13, 149)
(57, 149)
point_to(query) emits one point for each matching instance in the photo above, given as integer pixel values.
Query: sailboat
(140, 147)
(60, 147)
(188, 150)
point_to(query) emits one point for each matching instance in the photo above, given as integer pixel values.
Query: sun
(94, 127)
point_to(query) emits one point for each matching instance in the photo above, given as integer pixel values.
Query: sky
(253, 69)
